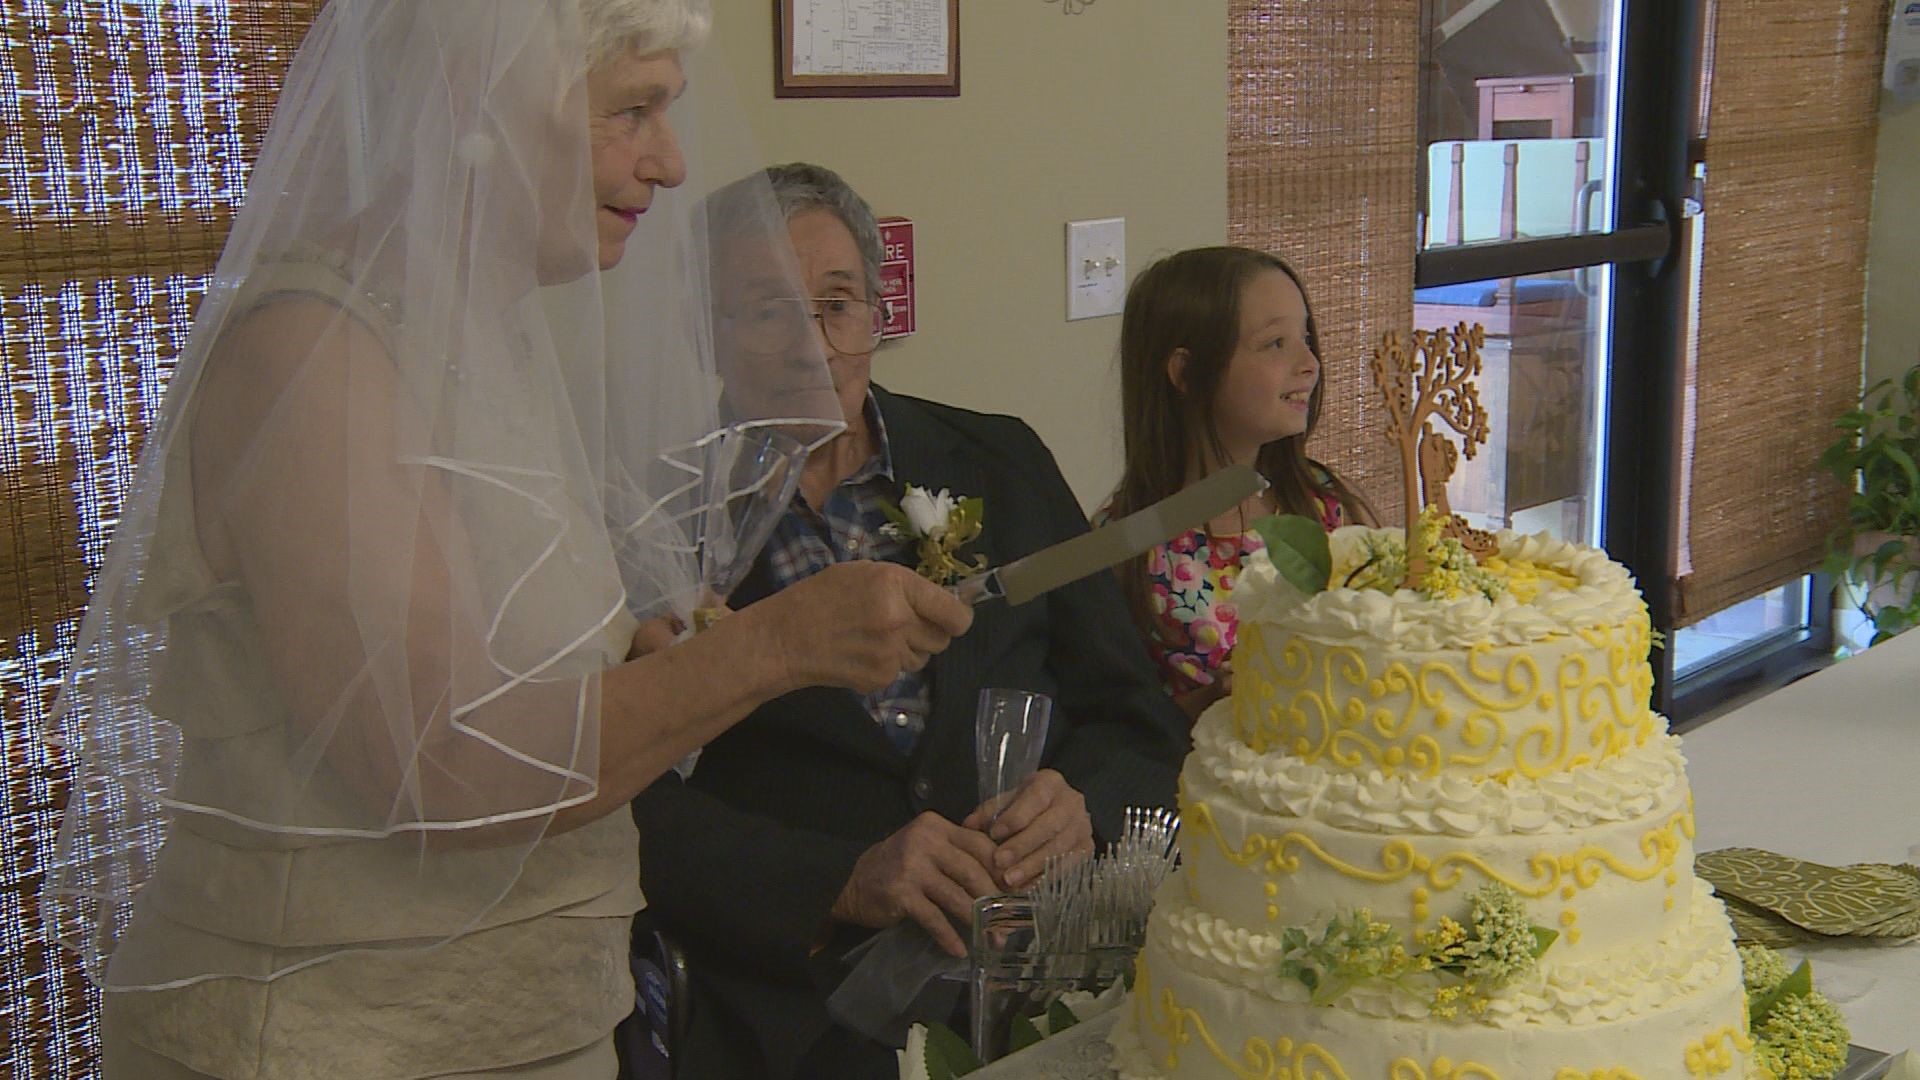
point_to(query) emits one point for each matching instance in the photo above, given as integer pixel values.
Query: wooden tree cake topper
(1433, 380)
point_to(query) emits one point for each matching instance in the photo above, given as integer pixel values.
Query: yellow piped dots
(1421, 864)
(1273, 912)
(1573, 937)
(1442, 716)
(1669, 903)
(1395, 757)
(1714, 1054)
(1567, 917)
(1272, 890)
(1442, 1068)
(1672, 879)
(1300, 747)
(1569, 893)
(1376, 688)
(1546, 701)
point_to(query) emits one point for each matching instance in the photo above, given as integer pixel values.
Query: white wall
(1119, 111)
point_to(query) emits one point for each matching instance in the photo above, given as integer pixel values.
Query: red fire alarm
(896, 277)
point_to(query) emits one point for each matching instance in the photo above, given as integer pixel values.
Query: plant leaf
(1060, 1018)
(1905, 461)
(1298, 547)
(948, 1055)
(1798, 984)
(1021, 1034)
(1543, 937)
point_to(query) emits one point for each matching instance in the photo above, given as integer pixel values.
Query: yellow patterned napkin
(1781, 901)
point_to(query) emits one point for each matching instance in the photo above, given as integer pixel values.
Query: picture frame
(811, 61)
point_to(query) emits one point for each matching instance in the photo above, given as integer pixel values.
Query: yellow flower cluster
(1452, 571)
(1443, 937)
(1803, 1038)
(1449, 1000)
(1462, 965)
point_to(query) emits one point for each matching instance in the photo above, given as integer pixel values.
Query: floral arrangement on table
(1454, 966)
(935, 1052)
(938, 524)
(1797, 1032)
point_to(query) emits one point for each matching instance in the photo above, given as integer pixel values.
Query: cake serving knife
(1070, 560)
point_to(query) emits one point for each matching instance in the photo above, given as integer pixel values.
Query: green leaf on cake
(1543, 938)
(1798, 984)
(948, 1055)
(1021, 1034)
(1059, 1018)
(1298, 547)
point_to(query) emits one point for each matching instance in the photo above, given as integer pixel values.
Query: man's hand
(930, 871)
(1044, 817)
(860, 624)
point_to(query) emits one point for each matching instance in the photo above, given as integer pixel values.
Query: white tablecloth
(1828, 769)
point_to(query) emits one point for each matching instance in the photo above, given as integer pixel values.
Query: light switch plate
(1096, 267)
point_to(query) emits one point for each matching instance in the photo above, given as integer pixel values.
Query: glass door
(1554, 141)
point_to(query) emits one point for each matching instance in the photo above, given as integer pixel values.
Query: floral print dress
(1189, 594)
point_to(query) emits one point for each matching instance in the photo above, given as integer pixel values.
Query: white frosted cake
(1438, 837)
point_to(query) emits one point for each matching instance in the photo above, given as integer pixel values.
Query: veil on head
(420, 465)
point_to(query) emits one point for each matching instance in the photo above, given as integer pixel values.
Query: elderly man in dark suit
(829, 814)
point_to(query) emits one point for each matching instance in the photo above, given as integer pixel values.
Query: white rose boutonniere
(927, 512)
(938, 524)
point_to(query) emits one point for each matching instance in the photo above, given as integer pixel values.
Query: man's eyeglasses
(775, 324)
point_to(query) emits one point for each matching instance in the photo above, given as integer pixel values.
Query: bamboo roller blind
(1321, 150)
(128, 130)
(1790, 158)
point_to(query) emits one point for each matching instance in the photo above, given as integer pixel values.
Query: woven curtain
(1321, 149)
(126, 130)
(1790, 154)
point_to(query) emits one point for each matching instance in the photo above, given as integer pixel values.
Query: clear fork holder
(1010, 976)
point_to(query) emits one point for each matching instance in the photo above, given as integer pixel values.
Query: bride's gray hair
(647, 26)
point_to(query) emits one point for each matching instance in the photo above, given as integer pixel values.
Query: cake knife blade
(1070, 560)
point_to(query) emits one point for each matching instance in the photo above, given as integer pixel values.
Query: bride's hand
(655, 634)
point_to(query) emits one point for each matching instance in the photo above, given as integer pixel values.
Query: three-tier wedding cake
(1437, 835)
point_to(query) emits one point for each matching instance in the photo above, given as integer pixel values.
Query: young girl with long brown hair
(1220, 363)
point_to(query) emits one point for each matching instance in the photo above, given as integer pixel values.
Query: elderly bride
(357, 707)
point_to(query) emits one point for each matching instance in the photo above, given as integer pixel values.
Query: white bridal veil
(420, 467)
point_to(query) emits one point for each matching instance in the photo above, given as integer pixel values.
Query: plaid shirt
(807, 541)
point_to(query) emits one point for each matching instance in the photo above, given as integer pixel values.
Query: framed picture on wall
(857, 48)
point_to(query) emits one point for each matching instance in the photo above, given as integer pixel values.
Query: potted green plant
(1878, 549)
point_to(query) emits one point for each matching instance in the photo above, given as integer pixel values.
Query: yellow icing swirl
(1713, 1055)
(1286, 1058)
(1400, 859)
(1494, 714)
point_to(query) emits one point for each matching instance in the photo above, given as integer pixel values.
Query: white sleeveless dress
(534, 991)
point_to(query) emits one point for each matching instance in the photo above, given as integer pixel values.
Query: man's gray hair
(799, 187)
(644, 26)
